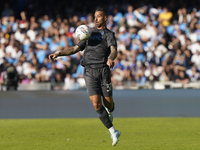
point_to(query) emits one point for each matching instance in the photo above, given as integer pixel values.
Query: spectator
(31, 33)
(111, 25)
(46, 22)
(2, 53)
(193, 74)
(70, 83)
(10, 48)
(196, 59)
(182, 78)
(130, 17)
(179, 60)
(117, 15)
(140, 76)
(163, 77)
(195, 47)
(165, 17)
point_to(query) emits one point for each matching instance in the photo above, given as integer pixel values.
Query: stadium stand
(158, 42)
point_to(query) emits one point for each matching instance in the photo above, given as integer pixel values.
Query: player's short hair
(105, 12)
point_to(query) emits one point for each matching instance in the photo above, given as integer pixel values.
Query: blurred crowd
(157, 41)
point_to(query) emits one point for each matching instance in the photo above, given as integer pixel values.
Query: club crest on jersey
(102, 32)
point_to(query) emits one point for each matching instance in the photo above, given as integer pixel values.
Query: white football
(83, 32)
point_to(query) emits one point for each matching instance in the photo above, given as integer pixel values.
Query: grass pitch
(90, 134)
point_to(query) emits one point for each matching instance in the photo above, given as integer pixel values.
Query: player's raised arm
(66, 52)
(112, 56)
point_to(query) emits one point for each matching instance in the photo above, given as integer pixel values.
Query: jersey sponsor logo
(96, 37)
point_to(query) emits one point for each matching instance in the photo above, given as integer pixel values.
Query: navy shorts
(98, 81)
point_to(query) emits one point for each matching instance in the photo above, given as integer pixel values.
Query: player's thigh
(92, 83)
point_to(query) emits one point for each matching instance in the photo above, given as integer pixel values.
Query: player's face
(100, 19)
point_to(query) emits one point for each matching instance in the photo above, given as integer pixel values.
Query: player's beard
(100, 24)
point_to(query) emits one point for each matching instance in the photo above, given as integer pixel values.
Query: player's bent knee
(97, 106)
(96, 101)
(108, 102)
(109, 106)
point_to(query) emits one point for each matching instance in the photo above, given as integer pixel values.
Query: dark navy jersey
(97, 48)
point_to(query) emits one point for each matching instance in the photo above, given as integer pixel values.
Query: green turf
(90, 134)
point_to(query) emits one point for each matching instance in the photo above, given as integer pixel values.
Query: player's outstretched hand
(53, 56)
(110, 63)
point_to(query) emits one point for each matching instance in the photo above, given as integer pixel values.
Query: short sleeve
(111, 40)
(82, 45)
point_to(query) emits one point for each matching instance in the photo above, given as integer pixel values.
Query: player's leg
(107, 91)
(96, 101)
(101, 111)
(93, 85)
(109, 104)
(106, 87)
